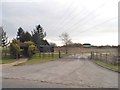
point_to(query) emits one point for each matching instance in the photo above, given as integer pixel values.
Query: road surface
(63, 73)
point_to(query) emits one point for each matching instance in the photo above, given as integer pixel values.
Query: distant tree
(4, 41)
(1, 36)
(75, 45)
(38, 36)
(20, 32)
(66, 40)
(23, 36)
(39, 32)
(27, 37)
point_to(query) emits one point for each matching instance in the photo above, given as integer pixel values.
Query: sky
(86, 21)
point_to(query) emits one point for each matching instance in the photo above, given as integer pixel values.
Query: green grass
(7, 59)
(108, 65)
(5, 50)
(42, 58)
(0, 61)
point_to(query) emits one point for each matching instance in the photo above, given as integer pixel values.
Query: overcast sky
(86, 21)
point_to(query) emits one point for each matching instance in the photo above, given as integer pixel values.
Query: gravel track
(68, 72)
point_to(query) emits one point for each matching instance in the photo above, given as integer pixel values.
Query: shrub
(15, 49)
(31, 48)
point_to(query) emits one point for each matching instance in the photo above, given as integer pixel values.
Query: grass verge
(108, 65)
(41, 58)
(7, 59)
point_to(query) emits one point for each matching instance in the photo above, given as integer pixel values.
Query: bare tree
(66, 40)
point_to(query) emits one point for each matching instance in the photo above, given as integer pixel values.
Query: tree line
(32, 41)
(25, 43)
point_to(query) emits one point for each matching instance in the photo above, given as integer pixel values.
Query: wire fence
(107, 57)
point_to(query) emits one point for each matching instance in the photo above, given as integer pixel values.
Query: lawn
(108, 65)
(41, 58)
(7, 59)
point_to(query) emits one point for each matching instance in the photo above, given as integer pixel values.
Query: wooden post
(100, 56)
(43, 55)
(52, 55)
(91, 55)
(97, 55)
(59, 54)
(39, 54)
(106, 57)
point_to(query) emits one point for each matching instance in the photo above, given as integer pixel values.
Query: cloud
(80, 18)
(0, 14)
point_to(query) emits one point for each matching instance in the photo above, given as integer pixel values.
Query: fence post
(96, 56)
(91, 55)
(100, 56)
(59, 54)
(106, 57)
(52, 54)
(39, 54)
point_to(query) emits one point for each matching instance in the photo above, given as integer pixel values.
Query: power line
(97, 25)
(67, 20)
(84, 18)
(64, 15)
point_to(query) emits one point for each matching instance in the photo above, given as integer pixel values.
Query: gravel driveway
(68, 72)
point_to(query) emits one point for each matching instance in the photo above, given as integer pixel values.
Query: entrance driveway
(68, 72)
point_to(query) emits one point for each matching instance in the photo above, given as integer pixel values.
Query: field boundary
(106, 67)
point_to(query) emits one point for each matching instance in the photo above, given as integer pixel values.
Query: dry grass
(113, 51)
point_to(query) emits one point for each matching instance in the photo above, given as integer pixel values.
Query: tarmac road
(63, 73)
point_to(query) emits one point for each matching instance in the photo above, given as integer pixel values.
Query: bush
(31, 48)
(15, 49)
(5, 51)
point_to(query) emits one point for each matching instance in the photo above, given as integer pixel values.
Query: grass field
(7, 59)
(108, 65)
(46, 57)
(88, 50)
(37, 58)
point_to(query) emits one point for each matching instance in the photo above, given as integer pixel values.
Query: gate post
(91, 55)
(59, 54)
(106, 57)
